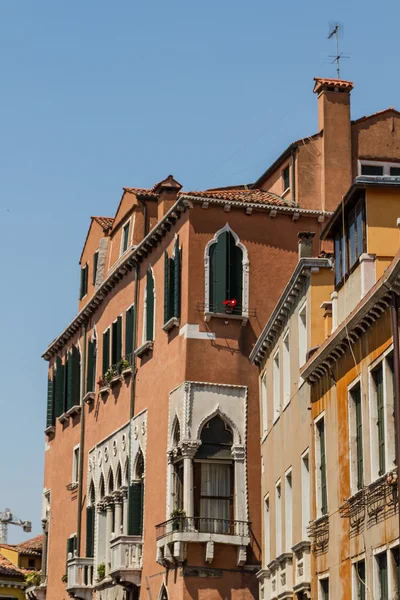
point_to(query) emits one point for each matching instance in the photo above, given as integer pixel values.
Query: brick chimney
(335, 125)
(305, 244)
(167, 191)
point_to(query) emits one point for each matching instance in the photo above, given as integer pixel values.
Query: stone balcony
(126, 559)
(80, 577)
(174, 535)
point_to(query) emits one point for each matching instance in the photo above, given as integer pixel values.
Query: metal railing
(116, 370)
(202, 525)
(80, 572)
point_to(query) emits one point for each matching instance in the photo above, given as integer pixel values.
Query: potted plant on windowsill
(178, 514)
(101, 571)
(111, 376)
(124, 367)
(229, 306)
(103, 385)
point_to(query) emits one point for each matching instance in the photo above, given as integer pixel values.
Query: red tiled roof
(391, 109)
(338, 83)
(104, 222)
(249, 196)
(7, 568)
(32, 544)
(148, 193)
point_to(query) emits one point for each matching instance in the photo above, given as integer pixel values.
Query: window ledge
(115, 380)
(173, 322)
(74, 410)
(103, 391)
(301, 546)
(144, 348)
(89, 397)
(71, 487)
(50, 430)
(226, 316)
(63, 418)
(126, 372)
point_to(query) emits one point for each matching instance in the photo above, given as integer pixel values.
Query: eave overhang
(364, 315)
(275, 323)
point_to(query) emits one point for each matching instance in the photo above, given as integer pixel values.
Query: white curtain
(215, 498)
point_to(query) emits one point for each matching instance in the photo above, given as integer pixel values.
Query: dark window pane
(371, 170)
(395, 171)
(352, 239)
(360, 229)
(360, 579)
(286, 178)
(125, 237)
(338, 271)
(383, 576)
(344, 255)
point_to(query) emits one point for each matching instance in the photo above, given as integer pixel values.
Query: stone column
(118, 497)
(109, 530)
(45, 526)
(239, 456)
(189, 449)
(170, 481)
(124, 492)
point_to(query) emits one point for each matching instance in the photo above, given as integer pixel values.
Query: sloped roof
(242, 195)
(104, 222)
(32, 547)
(321, 82)
(7, 568)
(379, 113)
(143, 192)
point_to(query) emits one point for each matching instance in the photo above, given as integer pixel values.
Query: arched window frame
(144, 335)
(245, 272)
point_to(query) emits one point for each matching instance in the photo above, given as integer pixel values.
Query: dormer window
(286, 178)
(125, 237)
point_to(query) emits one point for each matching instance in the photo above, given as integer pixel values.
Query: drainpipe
(394, 313)
(81, 443)
(293, 159)
(143, 202)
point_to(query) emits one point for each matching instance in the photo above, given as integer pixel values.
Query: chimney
(167, 192)
(335, 126)
(305, 244)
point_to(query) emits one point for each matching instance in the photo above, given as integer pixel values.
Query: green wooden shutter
(90, 387)
(166, 288)
(119, 338)
(84, 281)
(95, 265)
(68, 381)
(177, 279)
(135, 509)
(383, 576)
(59, 396)
(149, 307)
(378, 377)
(324, 501)
(50, 404)
(114, 343)
(359, 448)
(171, 287)
(90, 515)
(218, 273)
(106, 350)
(235, 274)
(129, 322)
(76, 376)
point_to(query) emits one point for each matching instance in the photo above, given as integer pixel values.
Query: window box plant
(124, 367)
(229, 305)
(101, 571)
(177, 516)
(103, 385)
(111, 376)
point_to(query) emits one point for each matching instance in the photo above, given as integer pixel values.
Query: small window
(266, 553)
(106, 351)
(288, 511)
(125, 237)
(226, 276)
(359, 581)
(31, 563)
(286, 178)
(395, 171)
(286, 370)
(320, 467)
(305, 494)
(377, 376)
(302, 327)
(277, 386)
(148, 330)
(324, 588)
(84, 281)
(349, 244)
(264, 411)
(382, 576)
(95, 265)
(278, 519)
(374, 170)
(75, 465)
(356, 439)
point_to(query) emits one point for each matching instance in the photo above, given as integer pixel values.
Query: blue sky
(97, 95)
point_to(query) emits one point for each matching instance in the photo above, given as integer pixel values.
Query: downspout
(394, 314)
(144, 216)
(81, 443)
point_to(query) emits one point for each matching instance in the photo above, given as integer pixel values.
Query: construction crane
(6, 519)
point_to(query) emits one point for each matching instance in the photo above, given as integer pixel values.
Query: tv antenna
(336, 30)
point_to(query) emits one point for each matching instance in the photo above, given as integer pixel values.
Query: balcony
(174, 535)
(80, 577)
(126, 559)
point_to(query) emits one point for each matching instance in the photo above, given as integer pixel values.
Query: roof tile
(7, 568)
(105, 222)
(242, 195)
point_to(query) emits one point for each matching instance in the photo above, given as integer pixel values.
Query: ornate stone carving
(114, 447)
(123, 441)
(189, 448)
(238, 452)
(106, 454)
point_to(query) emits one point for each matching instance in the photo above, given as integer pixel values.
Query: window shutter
(149, 307)
(235, 274)
(76, 376)
(360, 466)
(381, 420)
(171, 287)
(129, 322)
(90, 515)
(106, 350)
(69, 368)
(324, 501)
(84, 281)
(90, 387)
(50, 404)
(218, 273)
(135, 515)
(119, 339)
(166, 287)
(177, 280)
(59, 396)
(114, 343)
(383, 576)
(95, 264)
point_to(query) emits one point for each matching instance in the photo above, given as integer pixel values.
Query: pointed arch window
(226, 263)
(135, 498)
(90, 518)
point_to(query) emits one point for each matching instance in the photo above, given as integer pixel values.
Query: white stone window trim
(128, 223)
(354, 577)
(245, 271)
(144, 336)
(264, 404)
(376, 163)
(288, 510)
(278, 517)
(303, 341)
(286, 379)
(388, 417)
(317, 466)
(276, 385)
(75, 465)
(305, 492)
(384, 549)
(352, 434)
(322, 577)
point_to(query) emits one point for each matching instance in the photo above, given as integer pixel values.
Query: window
(226, 275)
(349, 244)
(50, 416)
(371, 170)
(324, 589)
(288, 511)
(90, 522)
(95, 265)
(277, 386)
(84, 281)
(377, 169)
(264, 412)
(71, 546)
(286, 178)
(395, 579)
(382, 576)
(286, 370)
(148, 331)
(129, 330)
(135, 498)
(266, 552)
(377, 376)
(213, 476)
(322, 500)
(75, 464)
(356, 439)
(125, 238)
(395, 171)
(305, 494)
(359, 581)
(172, 283)
(72, 378)
(278, 519)
(302, 329)
(106, 350)
(91, 368)
(116, 348)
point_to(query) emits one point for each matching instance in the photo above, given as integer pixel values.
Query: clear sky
(96, 95)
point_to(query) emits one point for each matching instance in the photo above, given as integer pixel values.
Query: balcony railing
(126, 553)
(80, 573)
(202, 525)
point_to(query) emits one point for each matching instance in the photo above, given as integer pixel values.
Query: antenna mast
(335, 30)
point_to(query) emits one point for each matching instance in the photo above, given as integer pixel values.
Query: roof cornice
(119, 270)
(276, 322)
